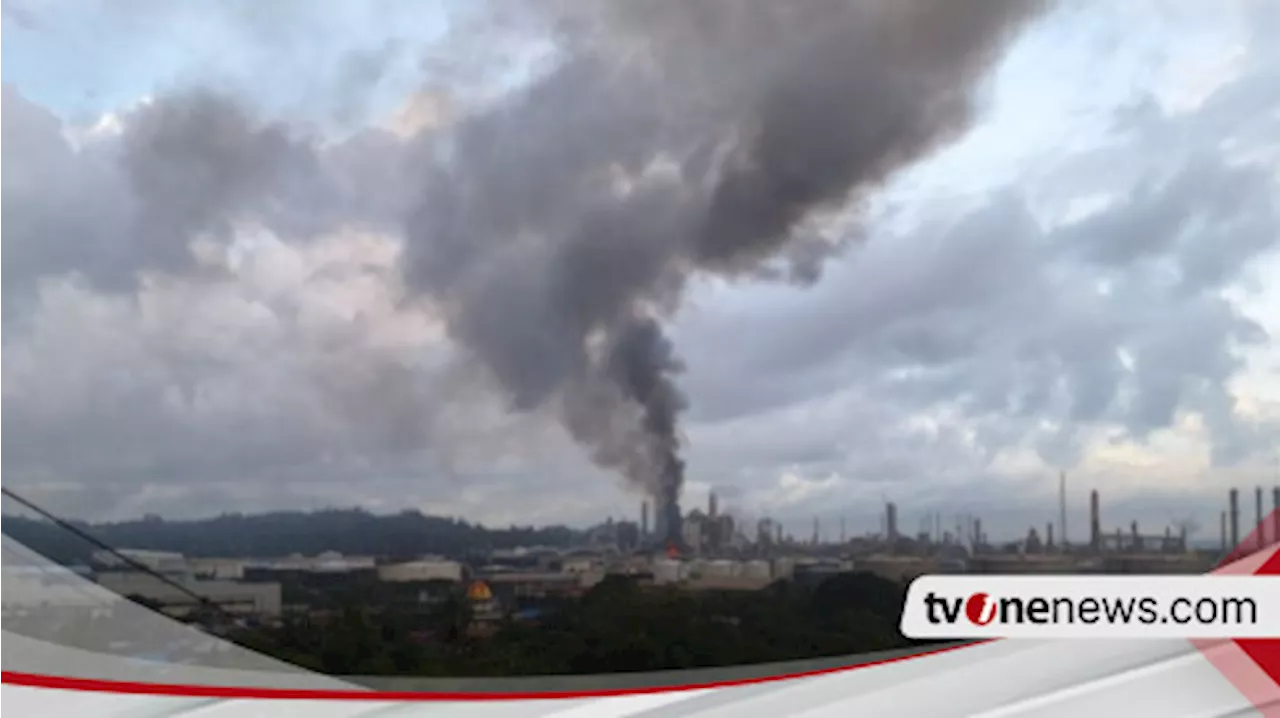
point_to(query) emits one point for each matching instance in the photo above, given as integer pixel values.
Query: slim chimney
(644, 518)
(1261, 531)
(1275, 514)
(667, 518)
(711, 505)
(1233, 502)
(1062, 507)
(1095, 523)
(843, 535)
(1223, 518)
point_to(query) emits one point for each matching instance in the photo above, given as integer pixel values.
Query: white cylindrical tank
(421, 571)
(668, 571)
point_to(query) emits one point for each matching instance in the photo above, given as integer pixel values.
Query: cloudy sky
(1080, 277)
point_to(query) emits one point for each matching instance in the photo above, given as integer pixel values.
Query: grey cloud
(991, 322)
(20, 15)
(65, 209)
(209, 379)
(1211, 216)
(195, 161)
(518, 232)
(987, 315)
(185, 167)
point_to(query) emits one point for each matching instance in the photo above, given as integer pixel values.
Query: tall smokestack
(1261, 531)
(644, 519)
(667, 520)
(675, 533)
(891, 522)
(1275, 514)
(1233, 508)
(711, 505)
(1095, 521)
(843, 536)
(1062, 506)
(1223, 518)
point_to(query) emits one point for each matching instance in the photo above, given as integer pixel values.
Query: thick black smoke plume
(674, 138)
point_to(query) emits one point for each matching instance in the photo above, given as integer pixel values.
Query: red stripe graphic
(194, 691)
(1252, 665)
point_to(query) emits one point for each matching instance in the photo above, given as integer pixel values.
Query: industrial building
(227, 569)
(166, 562)
(173, 582)
(257, 599)
(540, 585)
(427, 569)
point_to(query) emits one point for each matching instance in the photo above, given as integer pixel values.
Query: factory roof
(727, 583)
(532, 576)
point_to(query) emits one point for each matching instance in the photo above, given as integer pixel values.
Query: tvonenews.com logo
(1103, 606)
(982, 609)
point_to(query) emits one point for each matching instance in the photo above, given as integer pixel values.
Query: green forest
(617, 626)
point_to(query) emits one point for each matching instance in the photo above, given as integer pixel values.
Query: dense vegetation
(351, 532)
(617, 626)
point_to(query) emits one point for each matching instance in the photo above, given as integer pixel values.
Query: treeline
(617, 626)
(351, 532)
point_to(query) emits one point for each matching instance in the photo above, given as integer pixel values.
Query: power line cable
(133, 563)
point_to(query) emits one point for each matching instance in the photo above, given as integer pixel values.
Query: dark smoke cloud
(675, 138)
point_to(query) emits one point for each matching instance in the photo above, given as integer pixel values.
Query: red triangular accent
(1264, 652)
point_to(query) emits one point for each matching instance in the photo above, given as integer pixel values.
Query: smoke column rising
(562, 225)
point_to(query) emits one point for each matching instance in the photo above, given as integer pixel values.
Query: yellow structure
(479, 591)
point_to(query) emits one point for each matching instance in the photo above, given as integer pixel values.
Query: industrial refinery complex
(694, 551)
(1119, 548)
